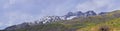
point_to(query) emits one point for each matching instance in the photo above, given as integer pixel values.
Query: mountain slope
(112, 25)
(109, 19)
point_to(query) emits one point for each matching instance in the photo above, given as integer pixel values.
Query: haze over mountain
(18, 11)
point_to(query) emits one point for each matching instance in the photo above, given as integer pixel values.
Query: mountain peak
(79, 13)
(90, 13)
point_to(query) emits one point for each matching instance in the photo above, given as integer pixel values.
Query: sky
(14, 12)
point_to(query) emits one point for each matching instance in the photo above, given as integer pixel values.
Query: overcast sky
(18, 11)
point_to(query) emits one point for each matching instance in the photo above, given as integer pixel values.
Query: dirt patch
(104, 28)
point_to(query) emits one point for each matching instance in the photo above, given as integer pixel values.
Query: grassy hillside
(112, 25)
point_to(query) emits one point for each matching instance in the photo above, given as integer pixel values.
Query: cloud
(98, 5)
(22, 16)
(9, 3)
(16, 17)
(2, 25)
(12, 1)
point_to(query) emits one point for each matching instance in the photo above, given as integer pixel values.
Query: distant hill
(88, 21)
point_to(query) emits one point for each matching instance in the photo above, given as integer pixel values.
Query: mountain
(90, 13)
(71, 15)
(88, 21)
(79, 13)
(19, 26)
(49, 19)
(102, 13)
(68, 16)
